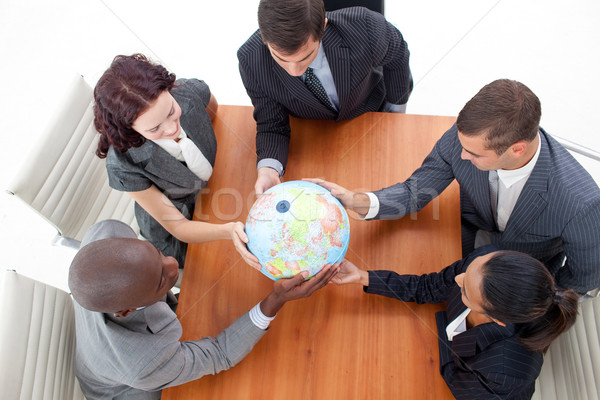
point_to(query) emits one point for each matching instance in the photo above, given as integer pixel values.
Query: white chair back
(63, 180)
(571, 367)
(37, 341)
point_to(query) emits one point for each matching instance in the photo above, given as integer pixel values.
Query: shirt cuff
(259, 319)
(394, 108)
(271, 163)
(373, 206)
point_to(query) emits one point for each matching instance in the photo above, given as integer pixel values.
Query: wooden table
(340, 343)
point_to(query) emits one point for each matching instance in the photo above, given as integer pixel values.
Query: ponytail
(539, 333)
(519, 289)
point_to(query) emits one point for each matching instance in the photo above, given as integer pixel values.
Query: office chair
(63, 180)
(571, 368)
(37, 341)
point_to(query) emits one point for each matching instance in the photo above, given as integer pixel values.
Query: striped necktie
(314, 85)
(493, 180)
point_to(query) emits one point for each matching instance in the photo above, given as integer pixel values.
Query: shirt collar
(510, 177)
(317, 63)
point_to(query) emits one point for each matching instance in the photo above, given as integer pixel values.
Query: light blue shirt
(322, 71)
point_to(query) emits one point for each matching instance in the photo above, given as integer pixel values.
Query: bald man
(128, 335)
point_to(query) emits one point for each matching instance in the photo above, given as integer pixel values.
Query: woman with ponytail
(503, 312)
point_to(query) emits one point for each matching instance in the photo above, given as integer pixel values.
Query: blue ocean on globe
(297, 226)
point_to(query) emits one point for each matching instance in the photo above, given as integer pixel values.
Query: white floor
(456, 47)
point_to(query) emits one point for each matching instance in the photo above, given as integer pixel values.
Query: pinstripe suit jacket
(485, 362)
(369, 63)
(556, 215)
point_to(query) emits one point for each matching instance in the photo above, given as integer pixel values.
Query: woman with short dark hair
(503, 311)
(157, 137)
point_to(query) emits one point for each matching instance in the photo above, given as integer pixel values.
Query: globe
(297, 226)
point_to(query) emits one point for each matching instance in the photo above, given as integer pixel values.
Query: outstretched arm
(357, 202)
(162, 210)
(169, 362)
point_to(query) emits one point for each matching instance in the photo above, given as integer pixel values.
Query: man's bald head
(116, 274)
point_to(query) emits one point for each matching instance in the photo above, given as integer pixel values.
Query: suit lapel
(297, 88)
(532, 199)
(480, 192)
(161, 164)
(338, 57)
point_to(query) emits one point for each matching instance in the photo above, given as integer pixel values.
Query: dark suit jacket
(369, 63)
(485, 362)
(556, 215)
(141, 167)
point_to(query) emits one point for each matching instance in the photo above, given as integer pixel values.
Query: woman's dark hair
(519, 289)
(125, 90)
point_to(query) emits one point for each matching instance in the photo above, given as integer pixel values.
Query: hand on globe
(357, 202)
(298, 287)
(350, 273)
(267, 178)
(239, 238)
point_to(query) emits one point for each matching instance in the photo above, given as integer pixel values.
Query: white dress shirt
(458, 325)
(186, 150)
(510, 186)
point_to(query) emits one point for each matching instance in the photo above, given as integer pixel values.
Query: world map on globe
(297, 226)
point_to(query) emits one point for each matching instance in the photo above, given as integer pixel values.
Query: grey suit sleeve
(390, 51)
(194, 89)
(185, 361)
(123, 175)
(425, 184)
(581, 239)
(272, 119)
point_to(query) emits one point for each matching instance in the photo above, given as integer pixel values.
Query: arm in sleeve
(581, 240)
(428, 288)
(198, 89)
(391, 52)
(425, 184)
(272, 119)
(123, 176)
(181, 362)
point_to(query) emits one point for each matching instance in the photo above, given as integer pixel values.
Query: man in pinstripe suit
(519, 188)
(360, 62)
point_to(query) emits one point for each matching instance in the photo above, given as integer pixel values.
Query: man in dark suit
(309, 64)
(519, 188)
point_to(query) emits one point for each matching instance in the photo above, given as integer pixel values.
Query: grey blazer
(369, 62)
(556, 215)
(136, 356)
(141, 167)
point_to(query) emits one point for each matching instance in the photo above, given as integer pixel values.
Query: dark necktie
(314, 85)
